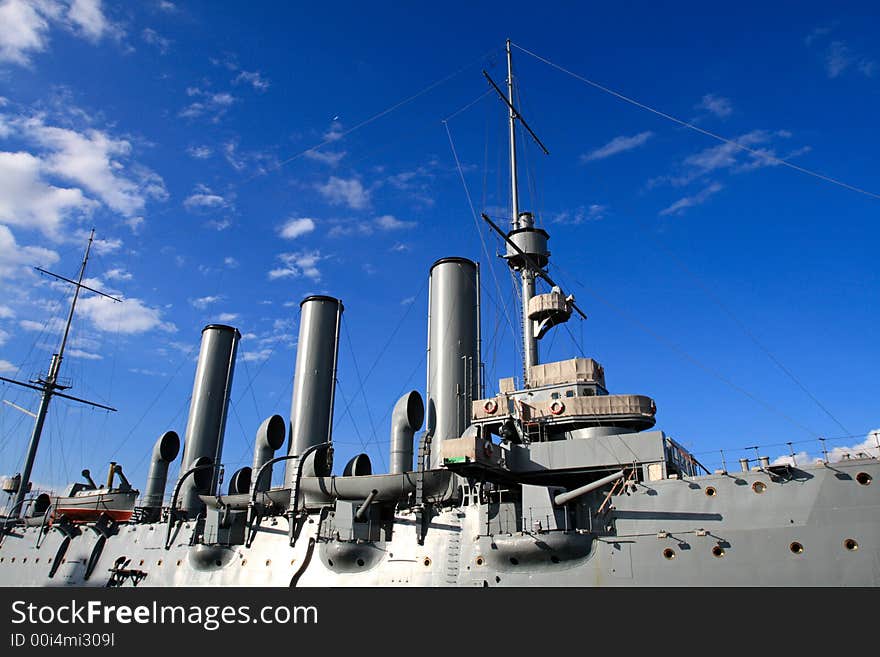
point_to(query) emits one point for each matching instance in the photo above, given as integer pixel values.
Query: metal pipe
(88, 477)
(406, 419)
(270, 437)
(207, 412)
(362, 510)
(110, 473)
(565, 498)
(164, 452)
(123, 480)
(452, 339)
(314, 381)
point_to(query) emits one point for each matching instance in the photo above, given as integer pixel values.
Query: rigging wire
(363, 391)
(659, 338)
(763, 156)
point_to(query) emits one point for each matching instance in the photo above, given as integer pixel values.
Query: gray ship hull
(811, 526)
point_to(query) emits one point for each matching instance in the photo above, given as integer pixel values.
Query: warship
(553, 482)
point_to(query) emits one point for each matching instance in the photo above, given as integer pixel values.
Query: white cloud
(27, 200)
(230, 262)
(31, 325)
(868, 67)
(294, 227)
(6, 366)
(594, 212)
(301, 263)
(867, 448)
(690, 201)
(617, 145)
(15, 259)
(167, 6)
(334, 132)
(129, 317)
(88, 17)
(118, 275)
(91, 159)
(204, 199)
(327, 157)
(25, 28)
(219, 224)
(80, 353)
(200, 152)
(837, 58)
(204, 302)
(4, 336)
(152, 37)
(227, 317)
(342, 191)
(26, 25)
(6, 312)
(256, 356)
(210, 103)
(400, 247)
(253, 78)
(390, 222)
(134, 223)
(717, 105)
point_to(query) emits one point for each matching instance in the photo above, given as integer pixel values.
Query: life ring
(490, 406)
(487, 448)
(557, 407)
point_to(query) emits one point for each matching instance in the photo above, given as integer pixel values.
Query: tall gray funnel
(453, 349)
(207, 413)
(314, 379)
(164, 452)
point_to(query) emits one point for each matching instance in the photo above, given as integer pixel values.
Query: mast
(527, 276)
(50, 386)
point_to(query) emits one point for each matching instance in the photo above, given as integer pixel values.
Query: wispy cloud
(209, 103)
(299, 264)
(617, 145)
(717, 105)
(837, 58)
(699, 198)
(203, 302)
(153, 38)
(118, 275)
(332, 158)
(16, 260)
(253, 78)
(384, 223)
(200, 152)
(582, 214)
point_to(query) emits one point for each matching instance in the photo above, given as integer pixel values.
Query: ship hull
(820, 527)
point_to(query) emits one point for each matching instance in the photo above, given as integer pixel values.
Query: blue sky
(737, 292)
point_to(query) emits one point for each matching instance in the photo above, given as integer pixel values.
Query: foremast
(50, 385)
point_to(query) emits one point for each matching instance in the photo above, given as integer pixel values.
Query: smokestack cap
(321, 297)
(463, 261)
(223, 327)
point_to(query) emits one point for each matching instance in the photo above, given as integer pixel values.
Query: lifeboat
(86, 502)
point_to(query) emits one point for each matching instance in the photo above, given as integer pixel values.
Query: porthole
(710, 491)
(141, 563)
(218, 563)
(759, 487)
(554, 558)
(292, 561)
(427, 561)
(268, 562)
(864, 478)
(243, 562)
(514, 561)
(24, 560)
(851, 544)
(718, 551)
(669, 553)
(796, 548)
(360, 562)
(37, 560)
(480, 561)
(178, 563)
(159, 563)
(329, 562)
